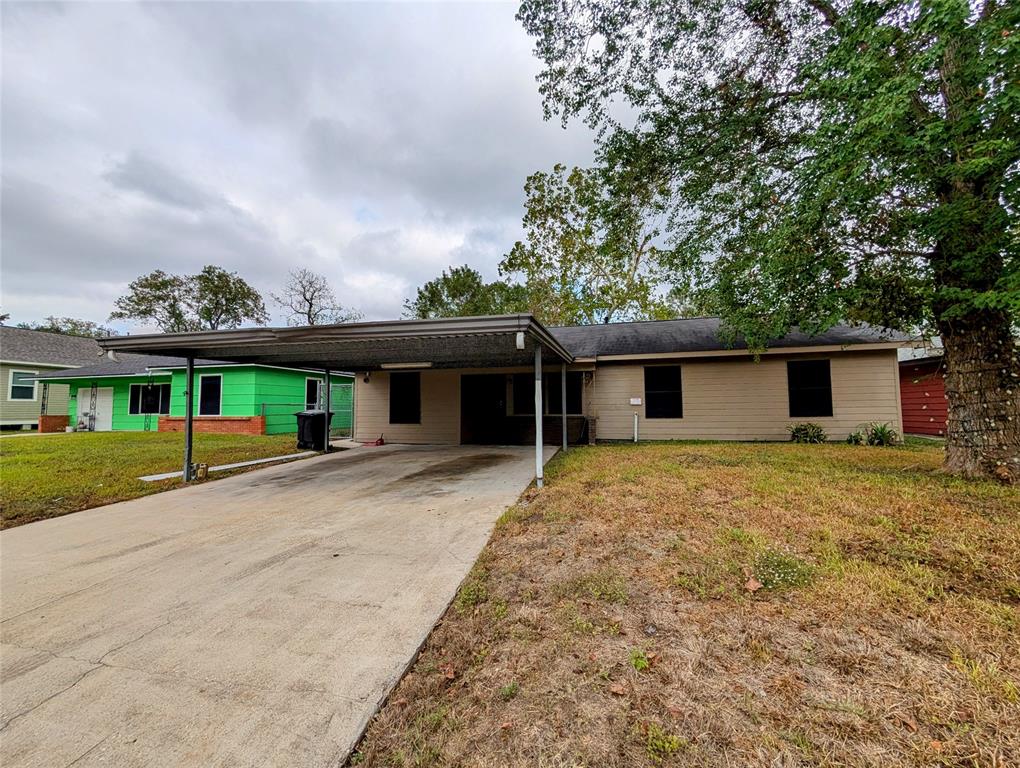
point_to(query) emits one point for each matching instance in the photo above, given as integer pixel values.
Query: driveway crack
(52, 696)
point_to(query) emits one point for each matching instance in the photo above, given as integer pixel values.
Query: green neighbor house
(146, 393)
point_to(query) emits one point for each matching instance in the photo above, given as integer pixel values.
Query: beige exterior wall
(27, 411)
(440, 409)
(440, 405)
(723, 399)
(745, 400)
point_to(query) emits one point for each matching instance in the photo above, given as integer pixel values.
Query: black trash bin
(311, 429)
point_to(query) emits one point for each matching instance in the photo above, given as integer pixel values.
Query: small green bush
(881, 434)
(855, 438)
(807, 432)
(639, 660)
(661, 745)
(781, 570)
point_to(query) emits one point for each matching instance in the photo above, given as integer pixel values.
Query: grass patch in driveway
(49, 475)
(728, 604)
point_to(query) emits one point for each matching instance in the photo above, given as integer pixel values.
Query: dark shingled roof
(124, 365)
(44, 348)
(696, 334)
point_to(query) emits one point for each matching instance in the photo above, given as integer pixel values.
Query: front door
(99, 419)
(483, 409)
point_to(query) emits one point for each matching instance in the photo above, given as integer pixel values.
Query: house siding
(283, 393)
(122, 418)
(14, 412)
(746, 400)
(923, 398)
(722, 400)
(440, 410)
(244, 390)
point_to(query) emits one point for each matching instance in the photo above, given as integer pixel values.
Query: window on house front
(405, 398)
(312, 394)
(20, 388)
(810, 387)
(210, 390)
(149, 398)
(524, 393)
(663, 392)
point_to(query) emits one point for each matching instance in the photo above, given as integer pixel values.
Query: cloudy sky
(374, 143)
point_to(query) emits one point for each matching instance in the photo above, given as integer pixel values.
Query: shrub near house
(147, 393)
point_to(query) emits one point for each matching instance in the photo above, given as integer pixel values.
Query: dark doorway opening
(483, 409)
(486, 419)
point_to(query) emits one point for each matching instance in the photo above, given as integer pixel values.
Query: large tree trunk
(983, 389)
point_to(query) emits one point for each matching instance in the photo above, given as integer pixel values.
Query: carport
(393, 346)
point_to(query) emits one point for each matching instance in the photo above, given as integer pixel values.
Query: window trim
(149, 384)
(645, 391)
(789, 390)
(11, 385)
(318, 392)
(389, 404)
(198, 402)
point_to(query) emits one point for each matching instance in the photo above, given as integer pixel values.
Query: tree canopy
(590, 254)
(71, 326)
(827, 160)
(210, 300)
(308, 299)
(461, 291)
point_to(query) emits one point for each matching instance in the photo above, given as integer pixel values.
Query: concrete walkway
(251, 621)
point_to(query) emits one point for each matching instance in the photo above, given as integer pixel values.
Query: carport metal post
(563, 402)
(325, 444)
(538, 415)
(189, 408)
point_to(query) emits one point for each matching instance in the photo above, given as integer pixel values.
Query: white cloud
(377, 144)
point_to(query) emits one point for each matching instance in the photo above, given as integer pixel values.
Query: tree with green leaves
(222, 299)
(308, 299)
(71, 326)
(589, 254)
(828, 160)
(462, 292)
(211, 300)
(158, 298)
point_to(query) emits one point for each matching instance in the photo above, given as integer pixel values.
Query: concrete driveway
(255, 620)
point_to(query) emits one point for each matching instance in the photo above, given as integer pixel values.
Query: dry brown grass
(608, 623)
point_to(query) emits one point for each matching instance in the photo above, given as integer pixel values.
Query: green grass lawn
(49, 475)
(725, 604)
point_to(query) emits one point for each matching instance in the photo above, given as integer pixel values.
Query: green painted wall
(246, 391)
(122, 420)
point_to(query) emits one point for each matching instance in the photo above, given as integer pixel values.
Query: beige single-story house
(508, 379)
(660, 380)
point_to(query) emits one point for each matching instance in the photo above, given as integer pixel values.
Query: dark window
(524, 393)
(20, 388)
(209, 390)
(149, 398)
(663, 393)
(810, 386)
(311, 393)
(554, 391)
(405, 398)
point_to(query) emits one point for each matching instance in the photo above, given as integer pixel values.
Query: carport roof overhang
(457, 342)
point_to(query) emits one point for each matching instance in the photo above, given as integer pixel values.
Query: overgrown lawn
(723, 605)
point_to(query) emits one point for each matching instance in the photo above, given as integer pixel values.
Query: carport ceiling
(472, 342)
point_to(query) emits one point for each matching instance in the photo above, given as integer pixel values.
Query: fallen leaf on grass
(506, 726)
(618, 689)
(753, 585)
(447, 670)
(906, 720)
